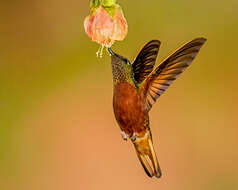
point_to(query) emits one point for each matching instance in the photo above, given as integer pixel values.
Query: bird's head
(121, 68)
(118, 59)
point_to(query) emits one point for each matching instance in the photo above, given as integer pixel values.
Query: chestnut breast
(128, 109)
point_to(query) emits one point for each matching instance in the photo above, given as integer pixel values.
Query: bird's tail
(146, 154)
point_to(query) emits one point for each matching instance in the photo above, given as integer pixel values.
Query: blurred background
(57, 128)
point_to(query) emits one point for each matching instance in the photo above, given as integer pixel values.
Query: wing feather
(162, 76)
(144, 62)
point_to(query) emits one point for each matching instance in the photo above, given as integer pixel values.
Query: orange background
(57, 128)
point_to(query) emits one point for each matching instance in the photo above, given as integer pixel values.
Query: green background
(57, 128)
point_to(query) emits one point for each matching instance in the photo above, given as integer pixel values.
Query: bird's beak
(111, 52)
(116, 56)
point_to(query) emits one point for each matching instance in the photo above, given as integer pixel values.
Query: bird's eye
(126, 62)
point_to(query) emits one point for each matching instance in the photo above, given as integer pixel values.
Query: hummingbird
(137, 86)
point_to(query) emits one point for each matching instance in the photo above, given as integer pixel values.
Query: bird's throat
(121, 73)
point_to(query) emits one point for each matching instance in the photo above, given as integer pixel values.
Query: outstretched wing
(145, 60)
(163, 75)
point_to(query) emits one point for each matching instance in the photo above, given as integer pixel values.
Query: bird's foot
(133, 137)
(124, 136)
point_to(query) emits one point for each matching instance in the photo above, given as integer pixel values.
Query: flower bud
(106, 24)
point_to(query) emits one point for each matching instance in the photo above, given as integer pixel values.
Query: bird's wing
(145, 60)
(163, 75)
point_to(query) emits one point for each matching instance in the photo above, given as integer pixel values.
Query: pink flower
(105, 28)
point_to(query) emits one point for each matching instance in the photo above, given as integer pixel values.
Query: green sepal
(95, 3)
(109, 6)
(110, 10)
(104, 3)
(108, 3)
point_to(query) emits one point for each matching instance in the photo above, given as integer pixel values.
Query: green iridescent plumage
(122, 71)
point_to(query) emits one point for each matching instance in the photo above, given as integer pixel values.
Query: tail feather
(146, 165)
(146, 154)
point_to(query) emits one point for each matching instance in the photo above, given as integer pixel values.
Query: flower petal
(103, 28)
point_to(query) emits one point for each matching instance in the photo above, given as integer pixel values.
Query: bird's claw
(124, 136)
(133, 137)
